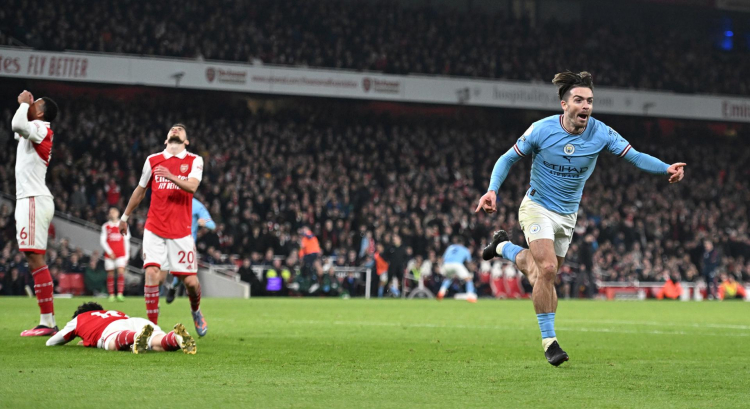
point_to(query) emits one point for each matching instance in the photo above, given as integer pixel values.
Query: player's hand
(487, 203)
(676, 172)
(164, 172)
(123, 227)
(201, 222)
(111, 255)
(26, 97)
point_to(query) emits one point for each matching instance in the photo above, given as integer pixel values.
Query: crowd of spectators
(358, 178)
(387, 37)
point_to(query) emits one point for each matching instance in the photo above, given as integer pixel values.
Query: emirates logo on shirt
(183, 168)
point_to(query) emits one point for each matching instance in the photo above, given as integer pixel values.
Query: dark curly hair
(567, 80)
(86, 307)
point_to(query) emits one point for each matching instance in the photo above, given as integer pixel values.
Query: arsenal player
(173, 176)
(116, 254)
(114, 331)
(34, 205)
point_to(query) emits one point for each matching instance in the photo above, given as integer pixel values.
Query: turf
(394, 353)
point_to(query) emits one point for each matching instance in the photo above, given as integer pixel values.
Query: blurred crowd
(387, 37)
(359, 179)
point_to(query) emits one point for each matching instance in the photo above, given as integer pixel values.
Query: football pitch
(393, 353)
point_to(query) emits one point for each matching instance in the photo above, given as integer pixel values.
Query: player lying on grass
(114, 331)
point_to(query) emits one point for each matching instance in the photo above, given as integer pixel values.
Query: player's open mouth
(583, 116)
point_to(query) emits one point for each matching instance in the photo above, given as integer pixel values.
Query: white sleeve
(197, 170)
(65, 335)
(103, 240)
(34, 131)
(145, 175)
(127, 243)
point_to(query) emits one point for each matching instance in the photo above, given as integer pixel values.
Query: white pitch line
(493, 327)
(663, 324)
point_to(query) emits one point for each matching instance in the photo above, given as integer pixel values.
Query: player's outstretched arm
(488, 202)
(65, 335)
(135, 199)
(653, 165)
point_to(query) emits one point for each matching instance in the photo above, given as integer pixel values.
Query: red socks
(44, 288)
(169, 342)
(195, 298)
(151, 293)
(120, 284)
(124, 340)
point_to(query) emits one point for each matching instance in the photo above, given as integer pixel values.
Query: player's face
(35, 110)
(114, 214)
(177, 135)
(578, 106)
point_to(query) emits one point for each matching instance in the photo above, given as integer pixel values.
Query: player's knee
(547, 271)
(152, 273)
(191, 281)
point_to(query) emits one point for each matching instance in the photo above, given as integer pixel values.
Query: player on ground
(34, 205)
(115, 331)
(453, 265)
(173, 176)
(564, 149)
(201, 218)
(116, 254)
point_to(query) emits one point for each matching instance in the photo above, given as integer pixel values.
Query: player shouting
(34, 205)
(115, 331)
(173, 176)
(564, 149)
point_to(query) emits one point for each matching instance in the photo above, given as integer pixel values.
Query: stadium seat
(72, 284)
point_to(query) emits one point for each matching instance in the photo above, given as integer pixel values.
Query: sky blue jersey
(562, 162)
(456, 253)
(200, 212)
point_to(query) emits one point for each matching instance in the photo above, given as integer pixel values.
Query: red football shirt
(170, 215)
(112, 239)
(90, 326)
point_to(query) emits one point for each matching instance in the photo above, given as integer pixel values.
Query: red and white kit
(34, 205)
(114, 244)
(167, 240)
(96, 327)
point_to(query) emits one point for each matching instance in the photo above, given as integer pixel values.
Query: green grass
(393, 353)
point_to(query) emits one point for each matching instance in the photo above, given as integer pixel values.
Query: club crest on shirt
(184, 167)
(534, 228)
(569, 149)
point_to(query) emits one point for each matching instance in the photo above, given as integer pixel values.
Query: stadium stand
(637, 50)
(352, 171)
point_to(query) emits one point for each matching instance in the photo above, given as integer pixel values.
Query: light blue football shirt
(456, 253)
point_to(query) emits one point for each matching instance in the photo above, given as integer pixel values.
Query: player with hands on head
(35, 207)
(173, 175)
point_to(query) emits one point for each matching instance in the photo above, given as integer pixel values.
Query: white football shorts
(540, 223)
(33, 217)
(129, 324)
(177, 256)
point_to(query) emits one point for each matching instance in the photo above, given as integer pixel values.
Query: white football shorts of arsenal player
(34, 205)
(167, 240)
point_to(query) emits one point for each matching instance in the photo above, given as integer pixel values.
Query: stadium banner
(166, 72)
